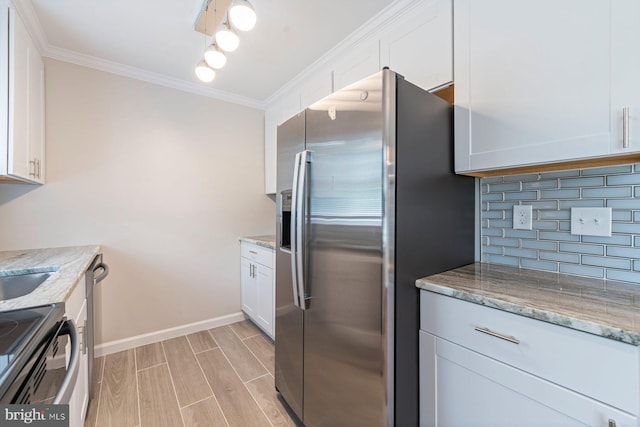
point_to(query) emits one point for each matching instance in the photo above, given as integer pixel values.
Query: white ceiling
(158, 36)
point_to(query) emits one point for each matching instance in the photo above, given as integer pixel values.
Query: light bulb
(242, 15)
(205, 73)
(226, 38)
(214, 57)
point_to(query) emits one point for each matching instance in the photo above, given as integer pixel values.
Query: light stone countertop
(67, 265)
(267, 241)
(601, 307)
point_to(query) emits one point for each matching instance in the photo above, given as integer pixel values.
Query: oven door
(49, 374)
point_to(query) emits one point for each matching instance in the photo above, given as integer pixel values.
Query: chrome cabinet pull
(32, 162)
(497, 335)
(82, 331)
(625, 127)
(38, 163)
(253, 252)
(612, 423)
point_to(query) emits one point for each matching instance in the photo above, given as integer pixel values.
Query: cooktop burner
(16, 328)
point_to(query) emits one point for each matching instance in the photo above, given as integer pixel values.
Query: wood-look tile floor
(220, 377)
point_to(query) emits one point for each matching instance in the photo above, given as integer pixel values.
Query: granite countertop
(66, 265)
(602, 307)
(267, 241)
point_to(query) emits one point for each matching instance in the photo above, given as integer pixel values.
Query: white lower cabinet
(76, 310)
(461, 385)
(257, 283)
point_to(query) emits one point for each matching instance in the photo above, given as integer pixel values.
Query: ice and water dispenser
(285, 225)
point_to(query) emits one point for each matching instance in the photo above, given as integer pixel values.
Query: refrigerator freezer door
(289, 318)
(343, 348)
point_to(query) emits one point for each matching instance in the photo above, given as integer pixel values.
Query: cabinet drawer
(257, 254)
(498, 395)
(601, 368)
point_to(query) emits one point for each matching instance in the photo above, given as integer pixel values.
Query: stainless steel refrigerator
(367, 202)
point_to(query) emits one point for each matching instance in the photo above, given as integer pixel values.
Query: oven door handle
(105, 272)
(63, 396)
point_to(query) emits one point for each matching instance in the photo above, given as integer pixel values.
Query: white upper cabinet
(363, 61)
(544, 82)
(625, 74)
(314, 90)
(419, 45)
(414, 41)
(22, 98)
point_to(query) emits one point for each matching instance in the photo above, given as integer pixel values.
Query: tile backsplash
(550, 245)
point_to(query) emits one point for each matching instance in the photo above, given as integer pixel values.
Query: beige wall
(164, 180)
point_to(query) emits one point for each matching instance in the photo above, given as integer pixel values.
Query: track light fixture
(214, 57)
(239, 15)
(204, 72)
(242, 15)
(226, 37)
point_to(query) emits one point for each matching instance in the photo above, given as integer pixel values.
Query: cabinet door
(21, 163)
(249, 288)
(625, 34)
(533, 81)
(4, 88)
(26, 104)
(316, 89)
(419, 46)
(80, 396)
(36, 120)
(470, 389)
(264, 315)
(76, 309)
(360, 62)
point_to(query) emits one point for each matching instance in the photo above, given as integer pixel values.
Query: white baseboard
(165, 334)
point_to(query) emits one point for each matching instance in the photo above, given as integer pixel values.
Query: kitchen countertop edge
(266, 241)
(525, 308)
(70, 264)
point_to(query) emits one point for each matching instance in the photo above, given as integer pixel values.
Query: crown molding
(373, 26)
(100, 64)
(28, 14)
(364, 33)
(30, 17)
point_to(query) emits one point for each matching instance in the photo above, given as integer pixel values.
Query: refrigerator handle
(295, 193)
(298, 208)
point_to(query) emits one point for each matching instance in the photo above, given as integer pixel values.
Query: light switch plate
(591, 221)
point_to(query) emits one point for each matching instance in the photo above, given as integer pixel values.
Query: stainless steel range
(33, 367)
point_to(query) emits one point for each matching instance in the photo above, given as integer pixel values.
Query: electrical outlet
(522, 217)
